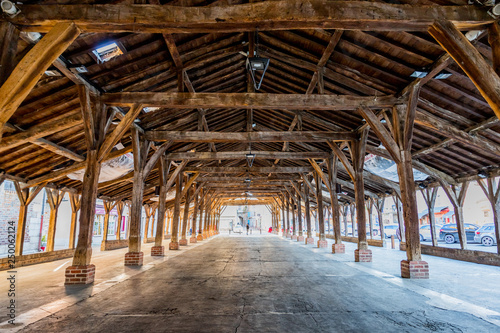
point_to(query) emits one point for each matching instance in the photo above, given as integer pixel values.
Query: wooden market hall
(221, 99)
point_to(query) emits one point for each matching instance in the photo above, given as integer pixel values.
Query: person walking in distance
(248, 228)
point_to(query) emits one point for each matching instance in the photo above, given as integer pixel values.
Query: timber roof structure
(183, 62)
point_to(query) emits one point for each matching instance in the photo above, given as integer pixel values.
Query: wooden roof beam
(246, 137)
(249, 101)
(254, 169)
(272, 15)
(229, 155)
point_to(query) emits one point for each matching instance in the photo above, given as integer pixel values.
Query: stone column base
(338, 248)
(205, 236)
(192, 239)
(173, 246)
(414, 269)
(183, 242)
(309, 240)
(300, 238)
(199, 237)
(322, 243)
(79, 275)
(134, 258)
(158, 251)
(363, 255)
(294, 237)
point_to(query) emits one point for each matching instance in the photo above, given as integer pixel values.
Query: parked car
(238, 229)
(425, 232)
(390, 230)
(486, 235)
(449, 232)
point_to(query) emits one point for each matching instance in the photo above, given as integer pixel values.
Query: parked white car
(238, 229)
(425, 232)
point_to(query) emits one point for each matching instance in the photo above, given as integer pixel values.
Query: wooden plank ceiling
(456, 132)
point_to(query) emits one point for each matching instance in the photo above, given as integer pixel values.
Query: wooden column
(398, 143)
(379, 206)
(74, 200)
(174, 242)
(25, 198)
(195, 214)
(54, 197)
(148, 209)
(31, 67)
(283, 219)
(140, 146)
(494, 40)
(321, 220)
(287, 199)
(119, 209)
(369, 207)
(352, 211)
(492, 191)
(300, 238)
(456, 194)
(401, 224)
(309, 238)
(207, 215)
(108, 206)
(294, 219)
(344, 210)
(158, 249)
(183, 241)
(429, 195)
(200, 224)
(153, 220)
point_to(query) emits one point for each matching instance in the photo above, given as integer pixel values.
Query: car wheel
(422, 238)
(449, 239)
(487, 241)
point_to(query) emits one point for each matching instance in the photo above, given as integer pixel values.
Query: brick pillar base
(363, 255)
(79, 275)
(173, 246)
(183, 242)
(300, 239)
(192, 239)
(158, 251)
(414, 269)
(205, 236)
(338, 248)
(134, 258)
(309, 240)
(199, 237)
(323, 243)
(294, 237)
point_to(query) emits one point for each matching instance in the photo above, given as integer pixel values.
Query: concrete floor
(269, 284)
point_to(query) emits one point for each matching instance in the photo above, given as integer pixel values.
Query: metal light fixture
(422, 186)
(482, 174)
(250, 158)
(420, 74)
(257, 65)
(9, 8)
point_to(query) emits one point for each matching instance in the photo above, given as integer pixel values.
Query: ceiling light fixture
(482, 174)
(9, 8)
(257, 66)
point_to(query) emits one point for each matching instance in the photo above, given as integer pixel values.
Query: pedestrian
(248, 228)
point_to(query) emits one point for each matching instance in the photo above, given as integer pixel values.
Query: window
(107, 52)
(9, 186)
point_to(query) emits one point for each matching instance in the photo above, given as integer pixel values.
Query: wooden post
(148, 209)
(54, 197)
(322, 242)
(294, 219)
(309, 238)
(429, 196)
(369, 206)
(158, 249)
(398, 143)
(108, 206)
(494, 40)
(183, 241)
(174, 242)
(74, 200)
(207, 215)
(201, 208)
(456, 194)
(119, 209)
(492, 191)
(343, 210)
(352, 211)
(195, 214)
(379, 206)
(300, 238)
(25, 198)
